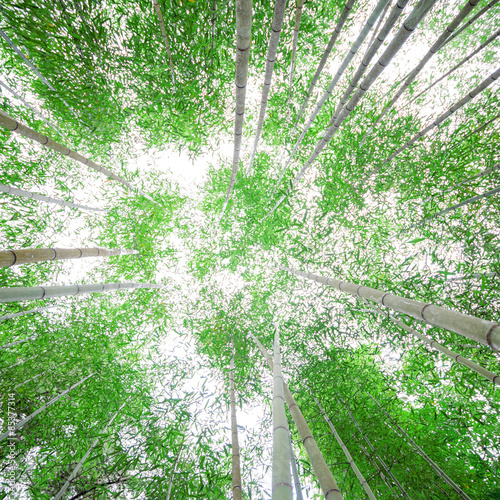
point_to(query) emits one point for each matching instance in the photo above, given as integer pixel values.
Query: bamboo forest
(249, 249)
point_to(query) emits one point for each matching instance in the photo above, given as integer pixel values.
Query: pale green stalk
(23, 313)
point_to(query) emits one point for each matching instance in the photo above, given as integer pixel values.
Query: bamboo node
(382, 299)
(422, 311)
(488, 336)
(15, 257)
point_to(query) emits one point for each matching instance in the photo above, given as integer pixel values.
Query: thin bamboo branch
(279, 13)
(214, 18)
(23, 313)
(295, 473)
(243, 41)
(296, 29)
(398, 41)
(11, 258)
(17, 294)
(174, 472)
(348, 456)
(24, 421)
(480, 330)
(26, 381)
(282, 482)
(13, 125)
(323, 473)
(161, 22)
(12, 344)
(46, 199)
(235, 447)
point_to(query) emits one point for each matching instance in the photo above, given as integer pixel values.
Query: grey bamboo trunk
(243, 40)
(24, 313)
(17, 342)
(11, 258)
(161, 22)
(323, 473)
(296, 29)
(480, 330)
(45, 199)
(410, 24)
(13, 125)
(279, 13)
(46, 292)
(235, 447)
(295, 474)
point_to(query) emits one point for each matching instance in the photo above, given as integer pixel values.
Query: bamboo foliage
(350, 460)
(11, 258)
(243, 40)
(296, 29)
(328, 484)
(441, 118)
(20, 293)
(433, 50)
(13, 125)
(333, 38)
(343, 66)
(24, 421)
(480, 330)
(161, 22)
(24, 313)
(46, 199)
(279, 13)
(235, 447)
(282, 487)
(398, 41)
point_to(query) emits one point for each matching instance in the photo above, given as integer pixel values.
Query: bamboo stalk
(11, 258)
(282, 482)
(12, 344)
(441, 118)
(235, 447)
(161, 22)
(343, 66)
(350, 460)
(333, 38)
(13, 125)
(79, 465)
(174, 471)
(17, 294)
(243, 40)
(214, 18)
(433, 50)
(23, 313)
(24, 421)
(296, 29)
(461, 63)
(328, 484)
(26, 381)
(46, 199)
(279, 13)
(419, 450)
(295, 473)
(398, 41)
(470, 179)
(480, 330)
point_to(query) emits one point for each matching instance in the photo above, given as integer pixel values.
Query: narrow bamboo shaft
(235, 447)
(484, 173)
(483, 126)
(18, 363)
(279, 13)
(375, 453)
(295, 473)
(441, 118)
(11, 258)
(17, 294)
(46, 199)
(13, 125)
(26, 381)
(419, 450)
(461, 63)
(296, 29)
(12, 344)
(328, 484)
(243, 41)
(340, 71)
(282, 482)
(398, 41)
(480, 330)
(333, 38)
(377, 27)
(161, 22)
(79, 465)
(24, 313)
(24, 421)
(433, 50)
(174, 472)
(348, 456)
(214, 18)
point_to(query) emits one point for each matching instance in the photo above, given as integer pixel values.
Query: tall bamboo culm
(45, 199)
(279, 13)
(328, 484)
(24, 313)
(243, 40)
(13, 125)
(20, 293)
(161, 22)
(235, 448)
(296, 29)
(480, 330)
(11, 258)
(282, 481)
